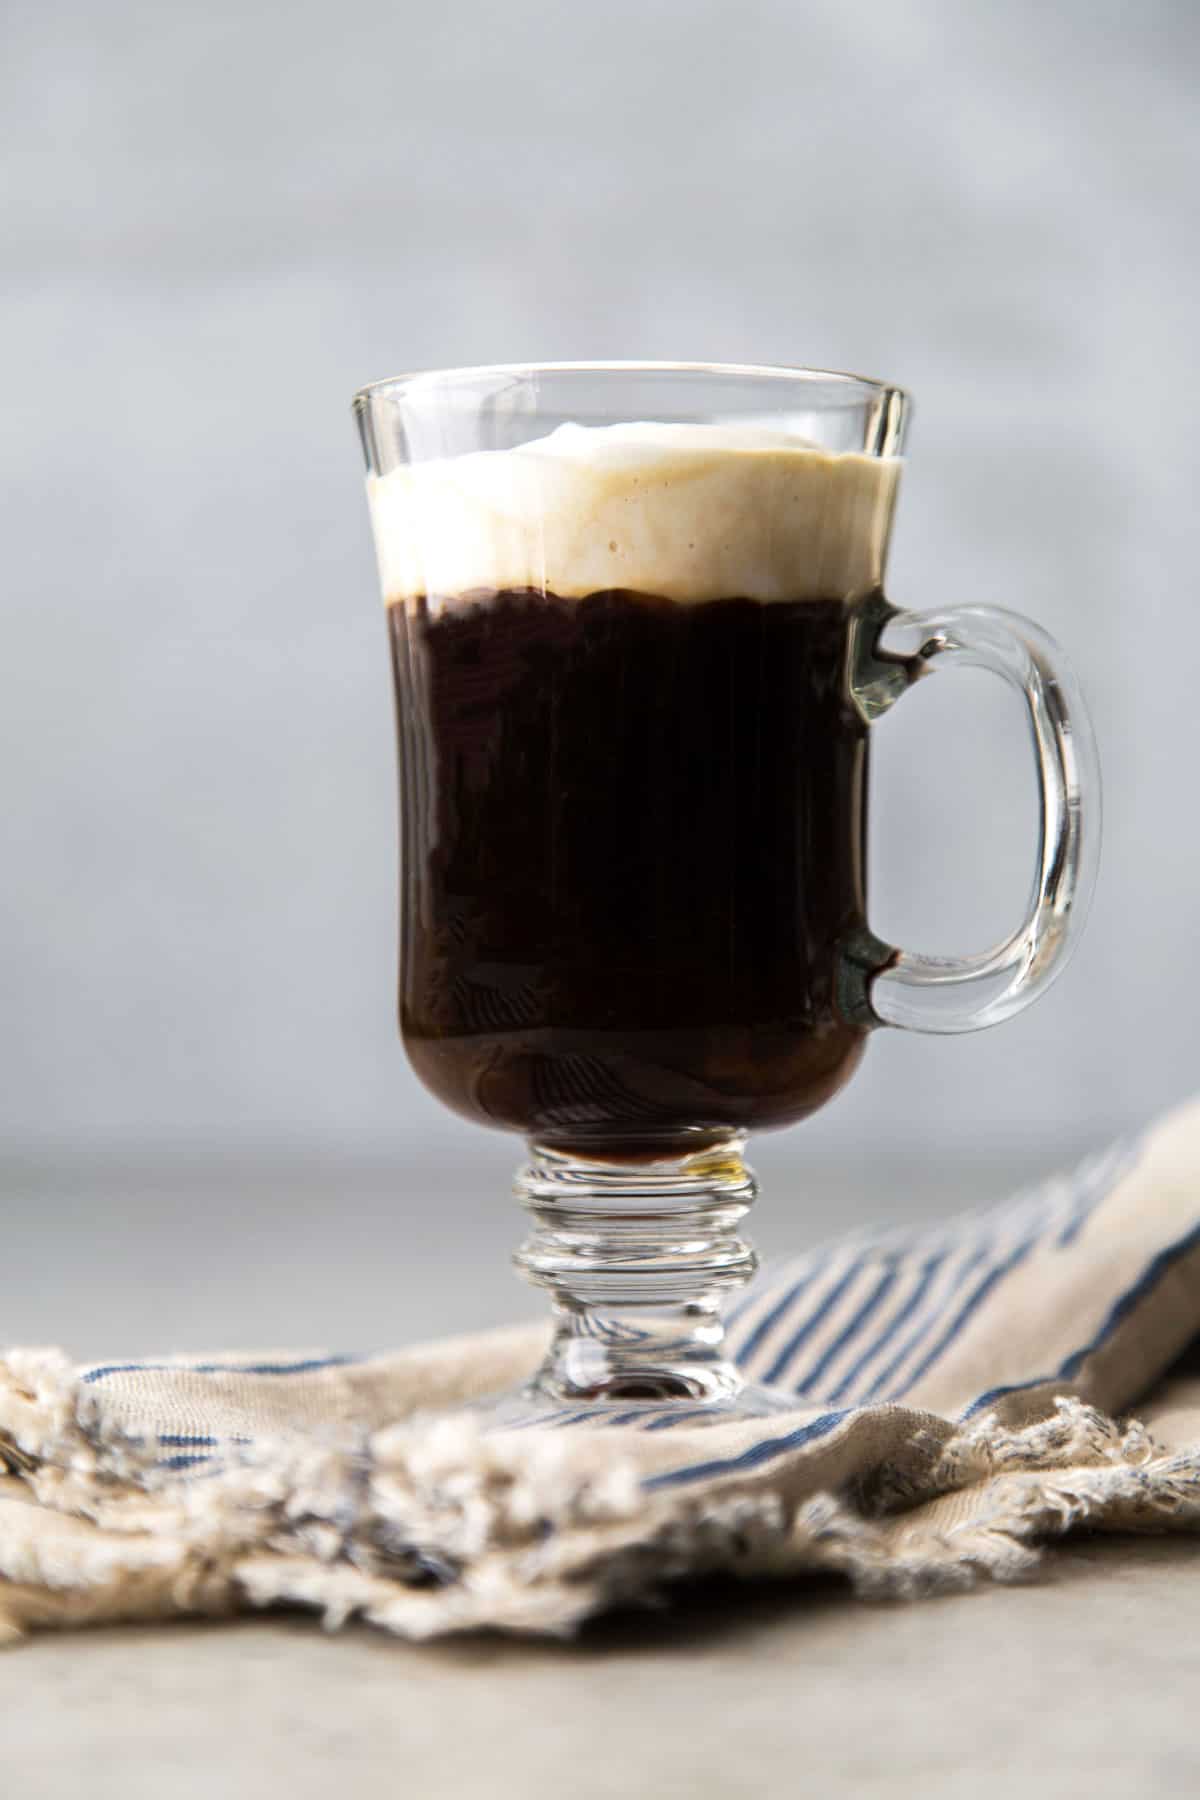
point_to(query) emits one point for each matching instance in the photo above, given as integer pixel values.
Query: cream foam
(691, 512)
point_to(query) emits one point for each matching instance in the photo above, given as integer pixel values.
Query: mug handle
(964, 993)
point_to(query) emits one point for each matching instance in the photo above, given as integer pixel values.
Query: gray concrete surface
(134, 1256)
(1078, 1687)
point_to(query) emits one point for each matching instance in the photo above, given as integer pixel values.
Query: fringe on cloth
(430, 1527)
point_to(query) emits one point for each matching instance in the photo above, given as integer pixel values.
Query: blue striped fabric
(1061, 1291)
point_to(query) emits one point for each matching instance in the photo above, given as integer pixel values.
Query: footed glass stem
(639, 1257)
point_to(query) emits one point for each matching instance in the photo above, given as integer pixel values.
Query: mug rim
(866, 386)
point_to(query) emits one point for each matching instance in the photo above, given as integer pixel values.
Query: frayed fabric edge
(430, 1528)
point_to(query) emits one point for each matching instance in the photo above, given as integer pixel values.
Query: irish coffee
(635, 665)
(633, 809)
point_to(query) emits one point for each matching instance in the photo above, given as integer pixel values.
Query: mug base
(537, 1406)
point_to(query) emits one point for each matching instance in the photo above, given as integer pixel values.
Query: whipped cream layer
(691, 512)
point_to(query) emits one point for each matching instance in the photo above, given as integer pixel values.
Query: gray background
(223, 218)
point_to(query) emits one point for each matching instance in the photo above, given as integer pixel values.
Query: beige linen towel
(957, 1391)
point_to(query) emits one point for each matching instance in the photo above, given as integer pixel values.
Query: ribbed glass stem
(638, 1257)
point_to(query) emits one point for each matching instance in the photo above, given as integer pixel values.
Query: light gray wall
(224, 217)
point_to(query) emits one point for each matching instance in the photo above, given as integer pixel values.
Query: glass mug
(639, 637)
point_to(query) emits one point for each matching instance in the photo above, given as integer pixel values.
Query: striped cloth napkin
(958, 1391)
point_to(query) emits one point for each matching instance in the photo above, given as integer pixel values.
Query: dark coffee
(633, 852)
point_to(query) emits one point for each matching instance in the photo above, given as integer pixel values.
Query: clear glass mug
(639, 637)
